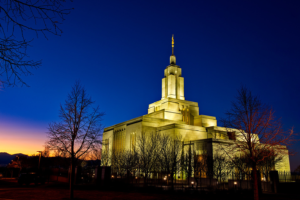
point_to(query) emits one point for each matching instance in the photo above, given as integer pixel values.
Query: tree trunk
(145, 181)
(190, 159)
(72, 172)
(172, 180)
(128, 178)
(255, 183)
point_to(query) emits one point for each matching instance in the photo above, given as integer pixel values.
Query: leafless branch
(17, 18)
(259, 133)
(80, 128)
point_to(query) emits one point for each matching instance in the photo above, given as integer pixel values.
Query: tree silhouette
(18, 17)
(170, 155)
(148, 148)
(79, 130)
(259, 134)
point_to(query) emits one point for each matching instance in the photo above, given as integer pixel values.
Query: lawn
(9, 189)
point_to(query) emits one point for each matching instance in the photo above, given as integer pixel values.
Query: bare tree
(95, 153)
(59, 152)
(131, 162)
(79, 130)
(268, 164)
(105, 158)
(257, 131)
(148, 147)
(18, 18)
(125, 162)
(221, 166)
(170, 155)
(46, 152)
(118, 160)
(241, 166)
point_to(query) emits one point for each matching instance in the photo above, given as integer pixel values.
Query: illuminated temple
(174, 115)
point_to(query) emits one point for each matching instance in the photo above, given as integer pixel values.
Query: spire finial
(173, 44)
(172, 57)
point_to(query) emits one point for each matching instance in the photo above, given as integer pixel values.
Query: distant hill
(5, 158)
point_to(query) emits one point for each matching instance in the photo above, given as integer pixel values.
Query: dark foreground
(9, 189)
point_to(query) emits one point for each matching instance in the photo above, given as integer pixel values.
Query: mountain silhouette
(5, 158)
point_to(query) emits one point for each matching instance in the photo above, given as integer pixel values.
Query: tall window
(186, 115)
(106, 145)
(132, 141)
(119, 140)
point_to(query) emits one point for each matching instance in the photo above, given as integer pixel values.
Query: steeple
(172, 57)
(172, 83)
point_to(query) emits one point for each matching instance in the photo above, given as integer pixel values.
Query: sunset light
(149, 100)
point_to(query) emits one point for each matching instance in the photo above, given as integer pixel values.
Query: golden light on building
(174, 115)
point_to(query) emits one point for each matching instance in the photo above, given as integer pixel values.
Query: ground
(10, 190)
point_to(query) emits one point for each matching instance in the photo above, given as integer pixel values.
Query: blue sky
(119, 50)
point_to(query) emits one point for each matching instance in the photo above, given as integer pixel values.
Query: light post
(235, 183)
(40, 152)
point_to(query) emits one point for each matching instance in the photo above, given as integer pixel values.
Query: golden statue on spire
(173, 40)
(173, 44)
(172, 57)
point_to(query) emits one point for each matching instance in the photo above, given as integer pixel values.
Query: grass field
(9, 189)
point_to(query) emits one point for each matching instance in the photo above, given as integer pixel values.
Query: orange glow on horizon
(24, 147)
(20, 137)
(23, 137)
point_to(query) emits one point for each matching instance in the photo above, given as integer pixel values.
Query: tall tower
(173, 83)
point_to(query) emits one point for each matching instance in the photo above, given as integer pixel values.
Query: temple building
(173, 114)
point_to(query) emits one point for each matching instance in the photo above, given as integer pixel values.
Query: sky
(118, 50)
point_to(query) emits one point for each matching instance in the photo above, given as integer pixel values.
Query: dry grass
(55, 194)
(9, 189)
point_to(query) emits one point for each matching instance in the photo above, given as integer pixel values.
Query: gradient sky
(119, 50)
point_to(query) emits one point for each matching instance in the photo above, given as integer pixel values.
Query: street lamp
(235, 183)
(39, 159)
